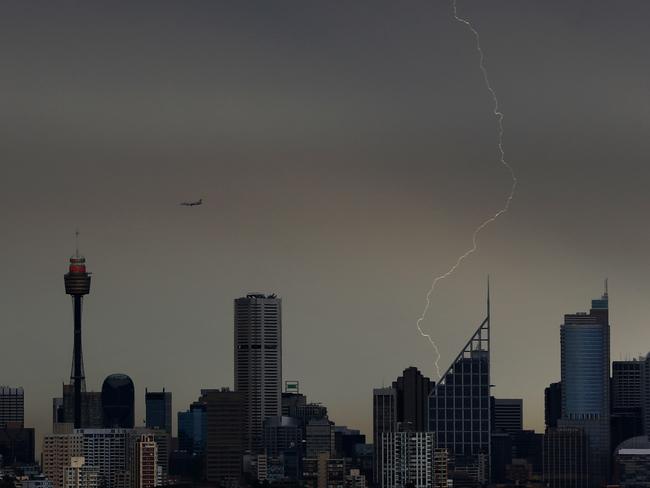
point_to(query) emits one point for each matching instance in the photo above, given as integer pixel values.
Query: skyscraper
(627, 411)
(258, 361)
(144, 462)
(77, 284)
(118, 396)
(552, 404)
(12, 406)
(584, 342)
(225, 439)
(158, 405)
(459, 406)
(412, 390)
(384, 419)
(192, 428)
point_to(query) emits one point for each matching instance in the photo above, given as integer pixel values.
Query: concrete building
(58, 451)
(80, 475)
(12, 406)
(408, 459)
(144, 462)
(258, 362)
(105, 449)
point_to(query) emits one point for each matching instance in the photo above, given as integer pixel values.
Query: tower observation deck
(77, 284)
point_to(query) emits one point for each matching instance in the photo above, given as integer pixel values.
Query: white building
(258, 362)
(408, 457)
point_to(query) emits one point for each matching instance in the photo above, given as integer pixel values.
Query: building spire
(488, 296)
(606, 295)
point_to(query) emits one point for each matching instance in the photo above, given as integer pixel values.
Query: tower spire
(488, 296)
(606, 295)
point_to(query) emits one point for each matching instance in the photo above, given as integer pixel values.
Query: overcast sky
(345, 151)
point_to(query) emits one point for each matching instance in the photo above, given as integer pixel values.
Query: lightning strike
(506, 206)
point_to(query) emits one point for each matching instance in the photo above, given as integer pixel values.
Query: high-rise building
(16, 444)
(192, 428)
(282, 434)
(92, 415)
(58, 451)
(258, 361)
(626, 394)
(384, 419)
(77, 284)
(12, 406)
(105, 449)
(320, 437)
(408, 459)
(507, 414)
(118, 397)
(584, 339)
(158, 406)
(225, 436)
(144, 462)
(413, 391)
(566, 459)
(80, 475)
(552, 404)
(459, 406)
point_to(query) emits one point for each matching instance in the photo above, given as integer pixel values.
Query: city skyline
(328, 176)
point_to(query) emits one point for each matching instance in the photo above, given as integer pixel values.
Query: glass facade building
(118, 397)
(584, 340)
(459, 407)
(158, 405)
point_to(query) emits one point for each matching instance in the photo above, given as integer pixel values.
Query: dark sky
(345, 151)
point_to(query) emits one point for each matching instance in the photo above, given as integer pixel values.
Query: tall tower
(258, 361)
(584, 341)
(77, 284)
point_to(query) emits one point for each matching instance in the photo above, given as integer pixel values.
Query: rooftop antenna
(606, 288)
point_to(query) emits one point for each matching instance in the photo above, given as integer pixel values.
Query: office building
(319, 437)
(552, 404)
(346, 441)
(92, 416)
(384, 419)
(16, 444)
(566, 458)
(12, 406)
(258, 361)
(282, 434)
(459, 407)
(192, 428)
(80, 475)
(584, 339)
(158, 406)
(507, 415)
(225, 412)
(118, 402)
(412, 390)
(77, 284)
(626, 400)
(408, 459)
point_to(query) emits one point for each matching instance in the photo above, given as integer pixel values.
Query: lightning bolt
(506, 206)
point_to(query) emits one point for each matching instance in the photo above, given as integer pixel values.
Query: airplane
(192, 204)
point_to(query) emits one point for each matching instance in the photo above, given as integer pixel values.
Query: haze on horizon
(345, 153)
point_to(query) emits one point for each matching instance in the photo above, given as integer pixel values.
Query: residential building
(80, 475)
(408, 459)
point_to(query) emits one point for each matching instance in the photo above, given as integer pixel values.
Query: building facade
(584, 340)
(408, 459)
(258, 361)
(79, 475)
(158, 406)
(12, 406)
(566, 458)
(507, 414)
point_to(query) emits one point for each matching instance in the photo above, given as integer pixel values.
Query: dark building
(192, 428)
(501, 456)
(16, 444)
(632, 463)
(584, 339)
(282, 434)
(507, 415)
(92, 416)
(459, 406)
(566, 458)
(77, 284)
(529, 445)
(293, 403)
(12, 406)
(346, 441)
(118, 397)
(413, 391)
(626, 396)
(225, 436)
(384, 420)
(158, 405)
(552, 404)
